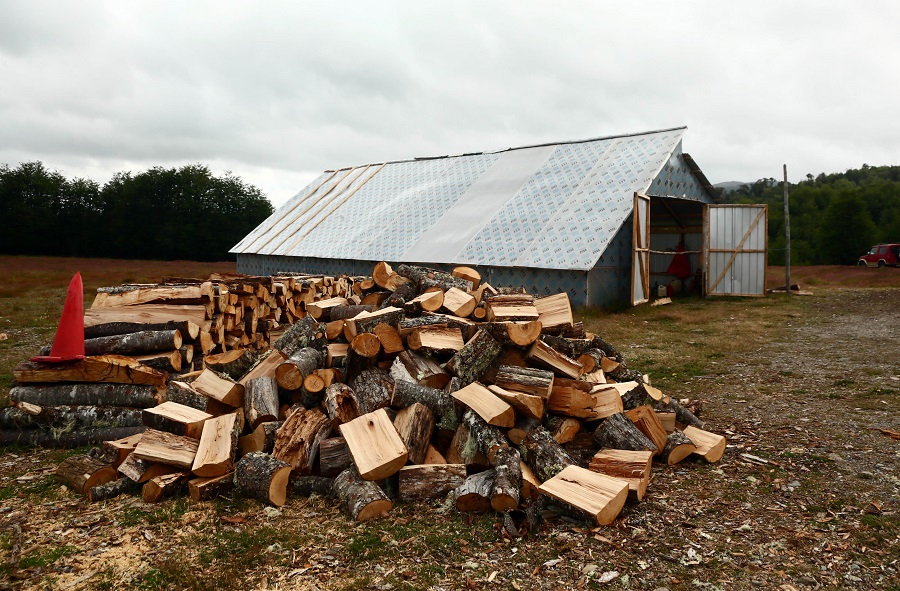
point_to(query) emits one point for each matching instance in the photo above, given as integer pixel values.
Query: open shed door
(736, 247)
(640, 256)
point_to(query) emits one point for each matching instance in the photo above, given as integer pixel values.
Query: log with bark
(420, 482)
(305, 333)
(360, 498)
(136, 343)
(421, 369)
(548, 357)
(426, 278)
(415, 424)
(218, 446)
(233, 364)
(537, 382)
(112, 489)
(677, 447)
(507, 479)
(189, 330)
(175, 418)
(141, 471)
(292, 371)
(334, 456)
(487, 438)
(297, 440)
(116, 450)
(372, 390)
(340, 404)
(544, 455)
(649, 424)
(116, 369)
(68, 418)
(260, 401)
(166, 448)
(262, 438)
(206, 489)
(260, 476)
(474, 358)
(94, 394)
(617, 432)
(164, 486)
(376, 447)
(596, 495)
(474, 495)
(83, 472)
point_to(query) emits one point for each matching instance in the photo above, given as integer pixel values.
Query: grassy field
(807, 495)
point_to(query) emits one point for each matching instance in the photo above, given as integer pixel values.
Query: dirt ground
(807, 495)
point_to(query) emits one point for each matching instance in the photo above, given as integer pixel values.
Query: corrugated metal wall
(737, 241)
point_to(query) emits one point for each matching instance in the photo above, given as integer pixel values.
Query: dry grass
(835, 276)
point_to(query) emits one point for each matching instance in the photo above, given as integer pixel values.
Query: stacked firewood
(440, 387)
(137, 336)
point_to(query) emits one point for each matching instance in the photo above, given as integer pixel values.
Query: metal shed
(591, 217)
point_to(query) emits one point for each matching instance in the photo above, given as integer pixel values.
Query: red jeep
(881, 255)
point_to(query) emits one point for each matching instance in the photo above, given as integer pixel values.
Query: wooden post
(787, 237)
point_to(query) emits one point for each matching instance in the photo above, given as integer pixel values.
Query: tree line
(161, 213)
(834, 218)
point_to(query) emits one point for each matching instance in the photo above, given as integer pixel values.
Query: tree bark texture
(260, 401)
(93, 394)
(617, 432)
(360, 499)
(260, 476)
(470, 362)
(544, 455)
(67, 418)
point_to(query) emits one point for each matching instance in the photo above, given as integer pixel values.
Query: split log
(523, 427)
(677, 447)
(153, 314)
(520, 334)
(591, 360)
(524, 404)
(136, 343)
(415, 424)
(141, 471)
(607, 402)
(428, 301)
(94, 394)
(544, 355)
(498, 310)
(648, 423)
(305, 333)
(345, 312)
(265, 366)
(260, 401)
(132, 295)
(376, 447)
(530, 490)
(422, 369)
(112, 489)
(474, 495)
(563, 429)
(363, 353)
(260, 476)
(469, 274)
(165, 448)
(554, 312)
(336, 355)
(488, 439)
(710, 446)
(334, 456)
(458, 302)
(84, 472)
(361, 499)
(433, 481)
(297, 440)
(389, 338)
(233, 364)
(189, 330)
(218, 447)
(433, 456)
(372, 389)
(507, 479)
(207, 489)
(262, 438)
(538, 382)
(598, 496)
(292, 371)
(426, 278)
(340, 404)
(385, 277)
(68, 418)
(118, 449)
(321, 309)
(572, 398)
(682, 415)
(435, 339)
(470, 362)
(366, 322)
(400, 296)
(163, 486)
(463, 449)
(183, 393)
(617, 432)
(103, 368)
(544, 456)
(175, 418)
(168, 361)
(488, 406)
(631, 466)
(668, 421)
(220, 388)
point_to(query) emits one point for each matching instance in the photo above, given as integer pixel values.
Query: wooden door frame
(640, 252)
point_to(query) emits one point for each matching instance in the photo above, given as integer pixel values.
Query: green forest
(161, 213)
(835, 218)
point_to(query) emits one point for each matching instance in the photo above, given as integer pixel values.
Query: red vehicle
(881, 255)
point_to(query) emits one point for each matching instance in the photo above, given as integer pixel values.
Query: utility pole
(787, 237)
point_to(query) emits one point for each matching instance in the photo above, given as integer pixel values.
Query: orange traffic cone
(68, 345)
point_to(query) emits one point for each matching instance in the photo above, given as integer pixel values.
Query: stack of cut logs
(440, 385)
(132, 330)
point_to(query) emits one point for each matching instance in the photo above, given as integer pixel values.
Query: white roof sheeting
(555, 206)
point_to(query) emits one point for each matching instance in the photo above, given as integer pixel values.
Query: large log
(375, 445)
(599, 497)
(422, 369)
(361, 499)
(83, 472)
(415, 424)
(175, 418)
(168, 361)
(426, 278)
(69, 417)
(631, 466)
(260, 401)
(544, 455)
(136, 343)
(334, 456)
(147, 314)
(488, 439)
(538, 382)
(165, 448)
(474, 495)
(112, 489)
(291, 373)
(297, 440)
(260, 476)
(677, 447)
(507, 479)
(617, 432)
(206, 489)
(53, 438)
(470, 362)
(406, 393)
(488, 405)
(233, 363)
(433, 481)
(305, 333)
(189, 330)
(372, 389)
(102, 368)
(94, 394)
(164, 486)
(520, 334)
(218, 446)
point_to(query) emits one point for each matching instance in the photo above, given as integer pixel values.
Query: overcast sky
(277, 92)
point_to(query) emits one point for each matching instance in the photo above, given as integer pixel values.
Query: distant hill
(729, 186)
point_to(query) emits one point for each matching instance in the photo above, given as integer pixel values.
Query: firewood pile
(422, 385)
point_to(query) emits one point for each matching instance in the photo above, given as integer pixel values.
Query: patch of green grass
(45, 557)
(843, 383)
(875, 392)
